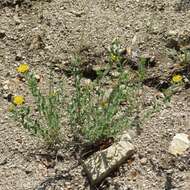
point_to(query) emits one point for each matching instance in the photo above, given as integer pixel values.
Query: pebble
(18, 56)
(143, 161)
(172, 33)
(115, 74)
(5, 87)
(77, 13)
(2, 121)
(38, 77)
(179, 144)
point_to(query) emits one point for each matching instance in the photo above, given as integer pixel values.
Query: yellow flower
(18, 100)
(177, 78)
(23, 68)
(114, 57)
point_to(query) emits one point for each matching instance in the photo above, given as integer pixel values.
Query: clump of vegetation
(175, 83)
(180, 78)
(95, 115)
(94, 111)
(46, 123)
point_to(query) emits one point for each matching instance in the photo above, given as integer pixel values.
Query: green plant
(176, 83)
(95, 114)
(115, 54)
(44, 118)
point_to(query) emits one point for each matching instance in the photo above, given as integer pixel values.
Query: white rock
(143, 161)
(115, 74)
(172, 33)
(126, 137)
(5, 87)
(179, 144)
(102, 163)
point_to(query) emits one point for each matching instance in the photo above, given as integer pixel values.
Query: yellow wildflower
(23, 68)
(177, 78)
(114, 57)
(18, 100)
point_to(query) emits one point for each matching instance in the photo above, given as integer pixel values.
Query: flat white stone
(179, 144)
(102, 163)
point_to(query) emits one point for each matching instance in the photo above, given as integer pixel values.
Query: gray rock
(102, 163)
(179, 144)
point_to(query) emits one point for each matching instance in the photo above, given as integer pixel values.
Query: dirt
(42, 33)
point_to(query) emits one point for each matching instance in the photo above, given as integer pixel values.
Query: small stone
(18, 56)
(159, 95)
(172, 33)
(143, 161)
(179, 144)
(102, 163)
(2, 121)
(56, 69)
(115, 74)
(78, 13)
(38, 77)
(5, 87)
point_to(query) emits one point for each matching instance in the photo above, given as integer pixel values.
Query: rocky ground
(42, 33)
